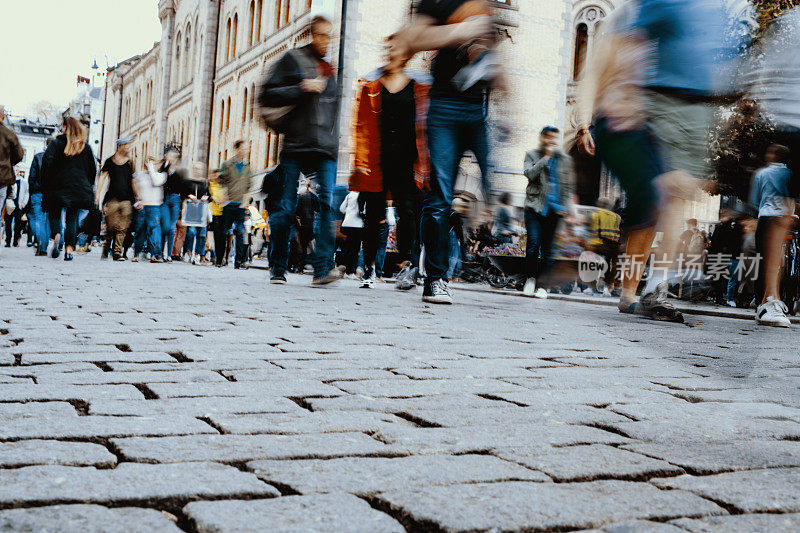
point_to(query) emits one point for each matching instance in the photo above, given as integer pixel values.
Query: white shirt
(151, 185)
(352, 219)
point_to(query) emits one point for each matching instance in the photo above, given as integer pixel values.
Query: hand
(204, 198)
(549, 150)
(193, 198)
(138, 205)
(586, 144)
(316, 85)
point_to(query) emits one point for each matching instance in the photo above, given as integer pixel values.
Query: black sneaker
(437, 292)
(277, 280)
(655, 306)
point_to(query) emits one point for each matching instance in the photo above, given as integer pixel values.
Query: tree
(46, 111)
(769, 10)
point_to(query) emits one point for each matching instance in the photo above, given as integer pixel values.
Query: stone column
(166, 12)
(208, 67)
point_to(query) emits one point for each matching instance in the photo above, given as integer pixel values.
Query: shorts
(632, 156)
(682, 130)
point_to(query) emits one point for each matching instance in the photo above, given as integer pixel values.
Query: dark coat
(310, 126)
(68, 181)
(11, 153)
(35, 174)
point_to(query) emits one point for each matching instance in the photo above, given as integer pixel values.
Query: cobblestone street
(161, 398)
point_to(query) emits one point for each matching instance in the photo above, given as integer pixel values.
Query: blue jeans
(200, 244)
(453, 128)
(233, 217)
(148, 231)
(170, 213)
(64, 222)
(39, 223)
(733, 281)
(383, 241)
(539, 250)
(282, 217)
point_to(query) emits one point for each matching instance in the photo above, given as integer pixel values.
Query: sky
(54, 41)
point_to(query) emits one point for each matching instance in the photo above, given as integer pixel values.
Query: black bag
(276, 118)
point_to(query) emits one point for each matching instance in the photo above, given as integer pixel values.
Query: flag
(81, 79)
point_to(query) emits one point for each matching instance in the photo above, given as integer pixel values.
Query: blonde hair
(76, 136)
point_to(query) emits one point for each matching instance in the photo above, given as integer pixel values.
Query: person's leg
(125, 211)
(154, 242)
(533, 245)
(374, 215)
(446, 148)
(352, 245)
(325, 237)
(549, 226)
(281, 217)
(18, 226)
(71, 230)
(730, 294)
(239, 235)
(771, 249)
(139, 232)
(168, 220)
(200, 241)
(380, 257)
(56, 228)
(37, 222)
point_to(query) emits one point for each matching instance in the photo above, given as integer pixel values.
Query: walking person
(303, 79)
(770, 193)
(234, 178)
(18, 201)
(456, 120)
(36, 215)
(149, 188)
(657, 72)
(171, 208)
(503, 226)
(307, 209)
(391, 160)
(11, 153)
(196, 192)
(549, 197)
(69, 170)
(116, 178)
(352, 229)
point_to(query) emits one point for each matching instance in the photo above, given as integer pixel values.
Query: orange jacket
(367, 175)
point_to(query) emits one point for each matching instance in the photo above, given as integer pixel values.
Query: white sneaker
(368, 282)
(606, 293)
(773, 313)
(731, 303)
(530, 288)
(437, 292)
(588, 291)
(540, 294)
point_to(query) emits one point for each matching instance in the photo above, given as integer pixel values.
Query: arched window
(581, 47)
(287, 12)
(251, 19)
(228, 116)
(245, 102)
(252, 100)
(259, 11)
(222, 115)
(228, 42)
(178, 61)
(278, 13)
(586, 26)
(188, 66)
(235, 35)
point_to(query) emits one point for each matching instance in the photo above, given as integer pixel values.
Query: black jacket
(67, 181)
(35, 174)
(311, 124)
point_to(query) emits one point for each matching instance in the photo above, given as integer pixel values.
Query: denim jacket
(536, 170)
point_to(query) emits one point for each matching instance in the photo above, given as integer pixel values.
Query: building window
(251, 18)
(287, 12)
(252, 100)
(259, 11)
(235, 35)
(245, 101)
(178, 61)
(278, 12)
(228, 118)
(586, 25)
(188, 66)
(221, 116)
(228, 41)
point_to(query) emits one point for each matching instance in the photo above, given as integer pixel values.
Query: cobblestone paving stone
(138, 397)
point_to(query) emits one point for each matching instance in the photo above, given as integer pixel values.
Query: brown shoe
(156, 260)
(333, 276)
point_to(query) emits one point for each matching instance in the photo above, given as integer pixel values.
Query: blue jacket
(696, 45)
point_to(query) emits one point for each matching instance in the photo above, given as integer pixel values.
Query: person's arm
(281, 86)
(159, 178)
(569, 199)
(91, 166)
(534, 165)
(755, 191)
(423, 34)
(17, 152)
(343, 207)
(48, 162)
(33, 173)
(101, 181)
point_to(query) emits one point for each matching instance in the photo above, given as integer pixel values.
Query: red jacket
(367, 175)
